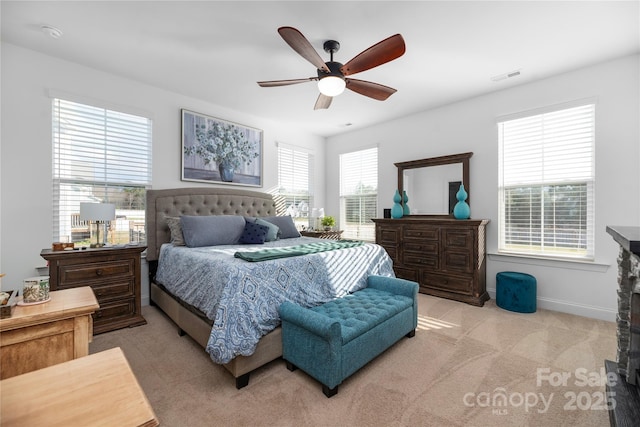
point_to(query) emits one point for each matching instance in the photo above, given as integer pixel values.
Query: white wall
(25, 173)
(470, 125)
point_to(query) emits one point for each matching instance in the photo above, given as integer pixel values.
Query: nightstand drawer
(113, 312)
(114, 289)
(76, 273)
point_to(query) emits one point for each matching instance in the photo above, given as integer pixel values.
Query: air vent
(506, 75)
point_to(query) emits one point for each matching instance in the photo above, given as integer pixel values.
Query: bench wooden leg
(329, 391)
(411, 334)
(291, 366)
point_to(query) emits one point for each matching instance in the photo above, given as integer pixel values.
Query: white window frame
(542, 153)
(104, 156)
(358, 171)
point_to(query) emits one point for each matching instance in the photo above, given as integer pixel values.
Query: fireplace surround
(625, 389)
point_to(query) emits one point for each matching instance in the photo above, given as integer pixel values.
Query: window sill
(549, 262)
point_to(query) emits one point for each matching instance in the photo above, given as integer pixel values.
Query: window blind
(295, 182)
(546, 183)
(359, 193)
(100, 156)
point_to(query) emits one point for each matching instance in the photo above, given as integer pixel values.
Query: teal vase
(405, 207)
(461, 210)
(396, 209)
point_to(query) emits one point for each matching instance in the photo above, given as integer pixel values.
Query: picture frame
(218, 151)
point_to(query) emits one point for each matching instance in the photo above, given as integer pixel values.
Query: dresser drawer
(425, 247)
(458, 239)
(389, 236)
(71, 274)
(457, 261)
(420, 260)
(461, 285)
(406, 273)
(422, 233)
(392, 252)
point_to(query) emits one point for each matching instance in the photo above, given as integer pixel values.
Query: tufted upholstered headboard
(199, 201)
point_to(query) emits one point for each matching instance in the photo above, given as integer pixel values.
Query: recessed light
(52, 32)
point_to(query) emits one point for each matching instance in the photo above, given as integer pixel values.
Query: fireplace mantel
(627, 237)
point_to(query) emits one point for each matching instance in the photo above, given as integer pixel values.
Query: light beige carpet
(466, 366)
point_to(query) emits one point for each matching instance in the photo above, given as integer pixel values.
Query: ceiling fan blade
(273, 83)
(370, 89)
(378, 54)
(300, 44)
(322, 102)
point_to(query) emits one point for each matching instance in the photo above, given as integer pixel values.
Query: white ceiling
(217, 51)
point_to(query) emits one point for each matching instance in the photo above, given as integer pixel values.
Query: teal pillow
(274, 230)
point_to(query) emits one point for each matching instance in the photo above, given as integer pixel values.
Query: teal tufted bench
(333, 340)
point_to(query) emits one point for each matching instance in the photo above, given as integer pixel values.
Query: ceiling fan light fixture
(331, 85)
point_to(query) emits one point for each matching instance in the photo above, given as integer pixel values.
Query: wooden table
(332, 235)
(96, 390)
(41, 335)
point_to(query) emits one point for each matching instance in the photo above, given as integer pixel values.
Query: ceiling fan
(332, 76)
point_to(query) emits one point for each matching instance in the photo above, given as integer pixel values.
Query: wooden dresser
(445, 256)
(114, 275)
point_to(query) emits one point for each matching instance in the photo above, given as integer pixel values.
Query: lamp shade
(331, 85)
(97, 211)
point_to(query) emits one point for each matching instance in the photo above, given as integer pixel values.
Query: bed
(221, 317)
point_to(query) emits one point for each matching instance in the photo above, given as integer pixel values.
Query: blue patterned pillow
(254, 233)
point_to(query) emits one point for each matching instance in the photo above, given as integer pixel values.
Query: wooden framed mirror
(428, 182)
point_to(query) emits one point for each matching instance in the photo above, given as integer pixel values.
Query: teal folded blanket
(289, 251)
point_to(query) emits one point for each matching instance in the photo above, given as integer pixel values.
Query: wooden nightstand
(332, 235)
(41, 335)
(113, 274)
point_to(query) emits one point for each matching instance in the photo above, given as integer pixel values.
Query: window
(359, 193)
(546, 183)
(99, 156)
(295, 183)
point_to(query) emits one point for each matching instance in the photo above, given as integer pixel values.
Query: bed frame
(205, 201)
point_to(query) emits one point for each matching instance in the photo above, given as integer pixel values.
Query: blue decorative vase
(461, 209)
(405, 206)
(226, 172)
(396, 209)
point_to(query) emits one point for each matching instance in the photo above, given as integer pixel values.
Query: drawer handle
(99, 314)
(99, 272)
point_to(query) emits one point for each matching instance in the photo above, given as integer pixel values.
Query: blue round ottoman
(516, 291)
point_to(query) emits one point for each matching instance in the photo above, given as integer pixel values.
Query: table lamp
(98, 213)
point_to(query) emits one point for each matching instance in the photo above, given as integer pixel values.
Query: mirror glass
(428, 188)
(431, 184)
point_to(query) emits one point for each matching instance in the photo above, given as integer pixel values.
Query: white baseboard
(571, 308)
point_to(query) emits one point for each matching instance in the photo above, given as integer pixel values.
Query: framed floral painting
(219, 151)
